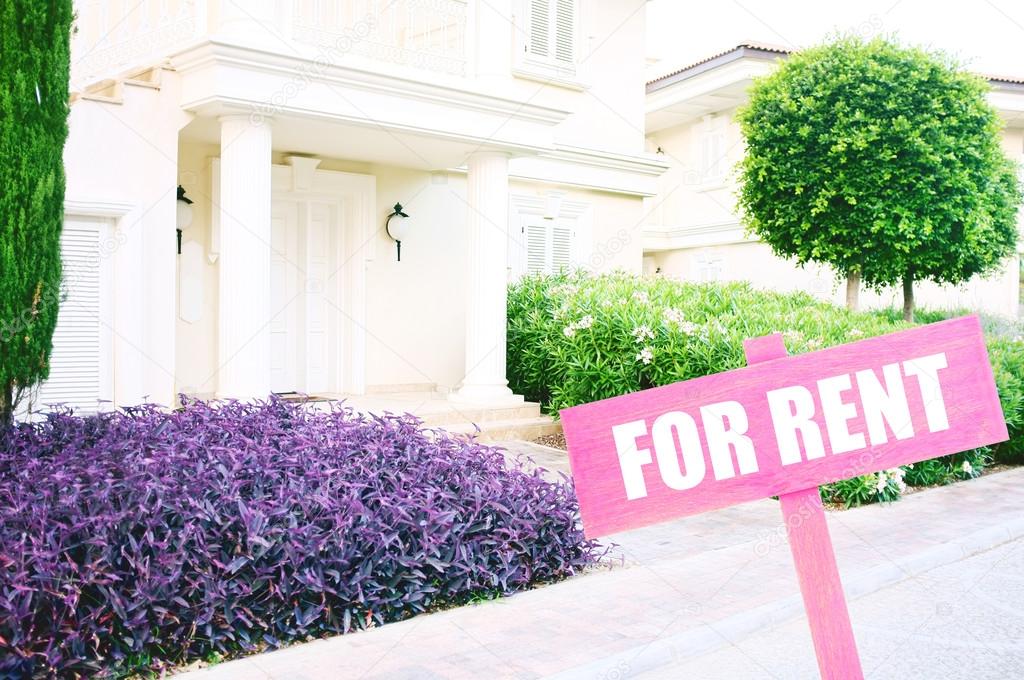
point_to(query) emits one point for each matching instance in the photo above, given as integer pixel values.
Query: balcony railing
(426, 34)
(115, 35)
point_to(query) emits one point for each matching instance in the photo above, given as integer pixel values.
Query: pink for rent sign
(782, 427)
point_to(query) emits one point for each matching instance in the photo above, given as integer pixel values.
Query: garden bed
(146, 539)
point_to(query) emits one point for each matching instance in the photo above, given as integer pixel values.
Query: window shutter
(549, 247)
(561, 249)
(539, 44)
(75, 378)
(552, 31)
(712, 162)
(536, 249)
(565, 22)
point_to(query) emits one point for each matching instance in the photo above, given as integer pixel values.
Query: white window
(548, 247)
(550, 42)
(708, 266)
(713, 164)
(548, 234)
(80, 375)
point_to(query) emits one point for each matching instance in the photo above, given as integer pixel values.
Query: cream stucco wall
(416, 308)
(140, 133)
(196, 341)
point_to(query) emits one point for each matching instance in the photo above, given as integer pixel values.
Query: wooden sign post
(782, 427)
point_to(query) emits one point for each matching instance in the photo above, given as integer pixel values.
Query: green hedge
(576, 338)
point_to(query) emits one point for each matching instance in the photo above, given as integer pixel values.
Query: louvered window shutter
(75, 362)
(552, 31)
(536, 249)
(565, 32)
(539, 44)
(549, 248)
(561, 249)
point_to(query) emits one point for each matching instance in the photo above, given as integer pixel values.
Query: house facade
(693, 228)
(509, 132)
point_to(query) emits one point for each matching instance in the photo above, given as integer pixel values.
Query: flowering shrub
(146, 535)
(643, 332)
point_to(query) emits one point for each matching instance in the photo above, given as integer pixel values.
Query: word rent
(877, 399)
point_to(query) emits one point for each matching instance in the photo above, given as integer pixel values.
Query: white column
(244, 300)
(487, 191)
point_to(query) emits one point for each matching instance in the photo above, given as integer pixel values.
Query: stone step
(470, 414)
(503, 430)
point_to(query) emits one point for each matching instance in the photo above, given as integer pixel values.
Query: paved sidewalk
(681, 591)
(961, 621)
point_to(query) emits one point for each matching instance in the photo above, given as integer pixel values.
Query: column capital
(484, 154)
(254, 117)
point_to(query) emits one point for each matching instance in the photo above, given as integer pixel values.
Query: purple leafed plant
(147, 537)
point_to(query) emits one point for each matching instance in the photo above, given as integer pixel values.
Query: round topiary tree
(34, 71)
(882, 161)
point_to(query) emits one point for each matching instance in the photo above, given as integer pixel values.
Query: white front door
(285, 297)
(303, 238)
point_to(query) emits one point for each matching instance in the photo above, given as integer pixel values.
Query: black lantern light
(183, 219)
(397, 227)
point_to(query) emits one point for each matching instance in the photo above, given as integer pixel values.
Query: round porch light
(183, 218)
(398, 226)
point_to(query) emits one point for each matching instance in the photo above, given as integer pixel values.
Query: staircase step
(503, 430)
(481, 415)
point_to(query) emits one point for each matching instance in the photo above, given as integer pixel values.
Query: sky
(986, 35)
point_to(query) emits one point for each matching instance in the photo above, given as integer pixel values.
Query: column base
(486, 395)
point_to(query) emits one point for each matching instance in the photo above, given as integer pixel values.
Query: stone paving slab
(961, 621)
(682, 588)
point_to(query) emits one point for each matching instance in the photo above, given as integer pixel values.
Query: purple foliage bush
(150, 538)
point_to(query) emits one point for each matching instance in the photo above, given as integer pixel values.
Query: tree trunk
(853, 290)
(908, 297)
(6, 406)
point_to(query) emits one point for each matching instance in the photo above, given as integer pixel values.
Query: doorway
(319, 228)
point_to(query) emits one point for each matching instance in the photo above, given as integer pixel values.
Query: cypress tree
(34, 73)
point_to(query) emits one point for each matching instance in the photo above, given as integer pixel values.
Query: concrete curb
(711, 636)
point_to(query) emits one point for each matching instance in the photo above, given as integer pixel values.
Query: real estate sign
(782, 427)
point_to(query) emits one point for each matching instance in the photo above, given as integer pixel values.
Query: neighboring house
(693, 230)
(510, 131)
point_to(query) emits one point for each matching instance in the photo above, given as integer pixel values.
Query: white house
(693, 230)
(510, 131)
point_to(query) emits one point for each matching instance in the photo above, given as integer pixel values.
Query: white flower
(569, 331)
(646, 355)
(565, 289)
(641, 333)
(673, 315)
(882, 482)
(641, 296)
(966, 467)
(814, 343)
(792, 335)
(688, 327)
(901, 485)
(856, 332)
(586, 322)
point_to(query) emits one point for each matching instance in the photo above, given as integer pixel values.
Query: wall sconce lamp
(397, 227)
(183, 219)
